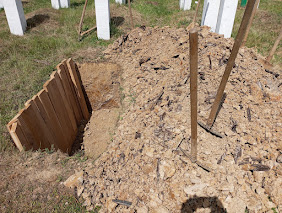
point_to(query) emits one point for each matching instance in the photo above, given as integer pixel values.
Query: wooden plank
(31, 141)
(15, 137)
(18, 136)
(49, 124)
(46, 136)
(31, 122)
(78, 86)
(71, 97)
(80, 114)
(43, 101)
(60, 109)
(69, 111)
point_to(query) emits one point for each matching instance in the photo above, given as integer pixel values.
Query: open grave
(140, 102)
(143, 164)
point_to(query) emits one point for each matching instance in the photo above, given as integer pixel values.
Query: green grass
(26, 62)
(265, 28)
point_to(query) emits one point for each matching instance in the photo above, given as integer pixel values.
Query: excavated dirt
(144, 165)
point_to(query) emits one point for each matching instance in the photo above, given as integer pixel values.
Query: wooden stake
(231, 61)
(130, 13)
(196, 12)
(82, 17)
(250, 23)
(192, 25)
(272, 51)
(193, 90)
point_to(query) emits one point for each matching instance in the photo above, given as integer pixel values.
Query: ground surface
(32, 182)
(144, 165)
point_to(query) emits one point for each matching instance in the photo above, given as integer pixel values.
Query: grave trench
(101, 82)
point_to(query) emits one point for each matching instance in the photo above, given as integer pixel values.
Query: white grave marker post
(210, 13)
(65, 3)
(121, 1)
(15, 16)
(1, 4)
(226, 17)
(185, 4)
(102, 9)
(56, 4)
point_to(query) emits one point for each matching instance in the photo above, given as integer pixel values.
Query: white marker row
(220, 15)
(217, 14)
(17, 22)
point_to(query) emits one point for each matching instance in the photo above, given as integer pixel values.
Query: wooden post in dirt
(193, 90)
(226, 17)
(130, 13)
(210, 13)
(185, 4)
(15, 16)
(272, 51)
(238, 41)
(102, 8)
(250, 23)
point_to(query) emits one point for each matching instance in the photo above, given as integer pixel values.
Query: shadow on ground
(36, 20)
(117, 21)
(194, 203)
(76, 4)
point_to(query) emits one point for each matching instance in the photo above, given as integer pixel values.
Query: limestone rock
(166, 169)
(74, 180)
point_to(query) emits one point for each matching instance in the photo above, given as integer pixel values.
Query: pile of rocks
(143, 164)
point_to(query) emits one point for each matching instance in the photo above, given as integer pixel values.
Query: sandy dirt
(144, 164)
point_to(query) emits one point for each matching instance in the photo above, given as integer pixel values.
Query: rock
(160, 209)
(74, 180)
(143, 209)
(110, 205)
(166, 169)
(195, 189)
(235, 205)
(279, 158)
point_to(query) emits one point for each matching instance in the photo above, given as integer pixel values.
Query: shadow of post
(36, 20)
(194, 203)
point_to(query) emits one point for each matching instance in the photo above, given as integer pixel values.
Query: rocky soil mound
(143, 164)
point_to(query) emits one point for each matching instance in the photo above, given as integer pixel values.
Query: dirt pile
(143, 164)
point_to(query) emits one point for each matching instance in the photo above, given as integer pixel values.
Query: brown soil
(144, 165)
(31, 181)
(102, 85)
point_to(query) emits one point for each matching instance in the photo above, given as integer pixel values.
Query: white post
(210, 13)
(185, 4)
(15, 16)
(102, 9)
(226, 17)
(181, 4)
(1, 4)
(121, 1)
(56, 4)
(65, 3)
